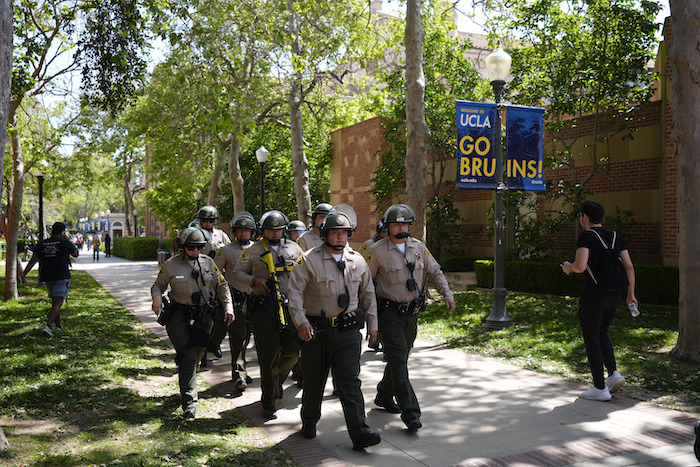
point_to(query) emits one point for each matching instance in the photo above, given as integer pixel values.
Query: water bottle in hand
(634, 311)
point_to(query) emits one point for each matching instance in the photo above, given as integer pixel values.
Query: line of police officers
(312, 296)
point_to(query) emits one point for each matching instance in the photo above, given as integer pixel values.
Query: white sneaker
(595, 394)
(615, 381)
(47, 331)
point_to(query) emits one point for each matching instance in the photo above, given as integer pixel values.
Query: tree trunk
(220, 157)
(417, 129)
(685, 133)
(300, 165)
(5, 75)
(15, 208)
(4, 443)
(128, 197)
(234, 174)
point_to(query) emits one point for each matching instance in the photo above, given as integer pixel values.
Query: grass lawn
(545, 337)
(104, 392)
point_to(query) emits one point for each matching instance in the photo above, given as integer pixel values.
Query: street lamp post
(261, 155)
(40, 178)
(498, 68)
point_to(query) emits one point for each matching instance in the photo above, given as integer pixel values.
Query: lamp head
(498, 65)
(261, 154)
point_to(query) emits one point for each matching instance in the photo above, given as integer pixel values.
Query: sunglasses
(194, 248)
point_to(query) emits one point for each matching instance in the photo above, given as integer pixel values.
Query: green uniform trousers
(238, 341)
(179, 334)
(339, 350)
(278, 351)
(398, 333)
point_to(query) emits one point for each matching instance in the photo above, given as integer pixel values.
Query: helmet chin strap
(337, 248)
(275, 241)
(243, 242)
(190, 257)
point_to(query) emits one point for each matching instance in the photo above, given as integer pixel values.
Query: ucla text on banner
(476, 133)
(524, 160)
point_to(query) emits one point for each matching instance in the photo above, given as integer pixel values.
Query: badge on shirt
(299, 261)
(369, 255)
(244, 255)
(219, 252)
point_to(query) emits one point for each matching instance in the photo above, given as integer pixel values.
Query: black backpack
(611, 276)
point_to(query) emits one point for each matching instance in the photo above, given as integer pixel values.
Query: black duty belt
(332, 322)
(187, 308)
(410, 308)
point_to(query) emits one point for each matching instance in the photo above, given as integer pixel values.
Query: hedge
(655, 284)
(136, 248)
(457, 263)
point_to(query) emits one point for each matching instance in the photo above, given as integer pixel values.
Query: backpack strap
(605, 245)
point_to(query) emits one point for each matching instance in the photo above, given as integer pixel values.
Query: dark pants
(398, 332)
(339, 350)
(596, 311)
(278, 351)
(238, 334)
(179, 334)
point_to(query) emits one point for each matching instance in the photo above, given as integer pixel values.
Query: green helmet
(195, 223)
(399, 214)
(297, 225)
(191, 236)
(209, 213)
(243, 220)
(273, 220)
(322, 208)
(337, 221)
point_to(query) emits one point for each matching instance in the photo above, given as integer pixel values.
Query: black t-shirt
(54, 256)
(590, 240)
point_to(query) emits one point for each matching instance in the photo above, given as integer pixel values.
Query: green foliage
(654, 284)
(136, 248)
(449, 76)
(545, 337)
(458, 263)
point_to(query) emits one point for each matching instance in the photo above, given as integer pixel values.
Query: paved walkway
(476, 411)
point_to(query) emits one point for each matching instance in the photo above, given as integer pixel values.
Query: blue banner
(524, 170)
(476, 133)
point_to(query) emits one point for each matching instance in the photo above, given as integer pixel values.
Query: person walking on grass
(53, 254)
(601, 295)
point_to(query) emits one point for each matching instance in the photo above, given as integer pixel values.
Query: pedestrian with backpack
(601, 254)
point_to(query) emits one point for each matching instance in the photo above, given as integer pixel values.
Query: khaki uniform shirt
(366, 246)
(226, 259)
(316, 282)
(177, 273)
(216, 239)
(388, 266)
(251, 265)
(309, 240)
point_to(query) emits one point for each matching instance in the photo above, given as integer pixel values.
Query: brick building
(642, 177)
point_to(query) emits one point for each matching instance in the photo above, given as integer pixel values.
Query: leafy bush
(457, 263)
(655, 284)
(136, 248)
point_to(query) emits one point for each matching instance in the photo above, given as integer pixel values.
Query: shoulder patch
(221, 277)
(220, 252)
(299, 261)
(364, 248)
(244, 255)
(369, 255)
(427, 252)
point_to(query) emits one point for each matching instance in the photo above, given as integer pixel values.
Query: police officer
(242, 226)
(330, 295)
(195, 282)
(265, 267)
(402, 266)
(381, 232)
(312, 237)
(296, 228)
(216, 239)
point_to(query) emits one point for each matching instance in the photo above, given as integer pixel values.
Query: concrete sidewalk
(476, 411)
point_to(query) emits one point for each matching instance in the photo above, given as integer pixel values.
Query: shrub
(655, 284)
(457, 263)
(136, 248)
